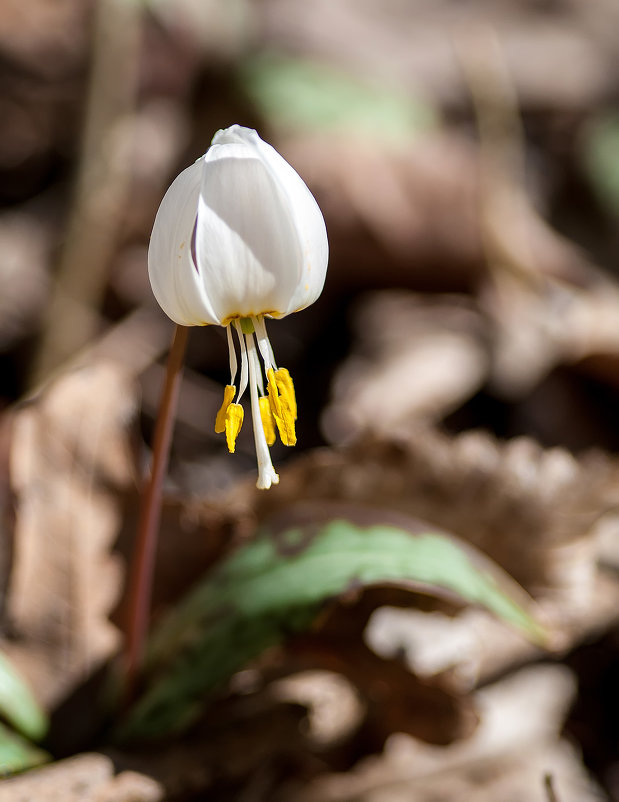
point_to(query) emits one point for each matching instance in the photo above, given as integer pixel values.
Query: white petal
(261, 242)
(308, 221)
(173, 276)
(247, 249)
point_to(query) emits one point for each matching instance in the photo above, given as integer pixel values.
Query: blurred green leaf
(17, 754)
(276, 585)
(309, 96)
(17, 704)
(601, 158)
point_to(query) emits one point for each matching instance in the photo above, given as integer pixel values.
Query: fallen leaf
(515, 745)
(88, 776)
(71, 456)
(276, 585)
(414, 358)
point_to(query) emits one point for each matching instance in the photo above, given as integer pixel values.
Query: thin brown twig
(143, 562)
(101, 187)
(506, 212)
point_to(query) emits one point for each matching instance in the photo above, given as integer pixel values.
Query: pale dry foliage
(460, 290)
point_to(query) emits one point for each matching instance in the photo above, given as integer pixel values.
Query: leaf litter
(472, 304)
(70, 459)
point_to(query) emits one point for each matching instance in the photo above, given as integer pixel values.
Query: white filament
(266, 471)
(231, 354)
(243, 378)
(263, 342)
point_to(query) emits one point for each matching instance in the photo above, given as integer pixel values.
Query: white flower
(239, 238)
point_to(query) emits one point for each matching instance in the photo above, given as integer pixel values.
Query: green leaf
(276, 585)
(17, 704)
(298, 94)
(17, 754)
(601, 158)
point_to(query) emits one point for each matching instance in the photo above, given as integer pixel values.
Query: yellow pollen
(285, 388)
(220, 420)
(281, 395)
(268, 423)
(234, 421)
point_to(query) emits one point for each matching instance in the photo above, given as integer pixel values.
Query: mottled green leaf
(17, 704)
(276, 585)
(17, 754)
(301, 95)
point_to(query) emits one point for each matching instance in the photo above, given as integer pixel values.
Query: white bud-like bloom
(239, 238)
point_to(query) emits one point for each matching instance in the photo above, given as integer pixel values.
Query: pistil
(266, 472)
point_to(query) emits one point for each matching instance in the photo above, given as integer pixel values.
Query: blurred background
(465, 154)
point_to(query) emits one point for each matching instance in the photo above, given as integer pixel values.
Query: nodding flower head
(239, 238)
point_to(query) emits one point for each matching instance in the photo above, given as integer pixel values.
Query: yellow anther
(234, 421)
(280, 407)
(286, 389)
(274, 401)
(268, 423)
(220, 420)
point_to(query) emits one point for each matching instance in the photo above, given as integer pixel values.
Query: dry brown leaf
(432, 709)
(24, 283)
(516, 744)
(7, 510)
(47, 37)
(414, 358)
(70, 457)
(537, 328)
(84, 778)
(423, 232)
(419, 358)
(334, 707)
(473, 647)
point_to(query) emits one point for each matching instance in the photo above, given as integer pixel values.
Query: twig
(143, 562)
(102, 186)
(506, 213)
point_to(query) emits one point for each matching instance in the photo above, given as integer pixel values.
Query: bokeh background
(455, 148)
(465, 155)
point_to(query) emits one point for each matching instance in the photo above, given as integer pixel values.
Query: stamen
(268, 422)
(266, 472)
(263, 343)
(282, 412)
(286, 389)
(231, 354)
(243, 378)
(220, 420)
(234, 421)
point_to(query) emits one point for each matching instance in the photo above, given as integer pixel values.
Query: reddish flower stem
(143, 561)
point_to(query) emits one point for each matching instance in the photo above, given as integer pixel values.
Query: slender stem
(143, 562)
